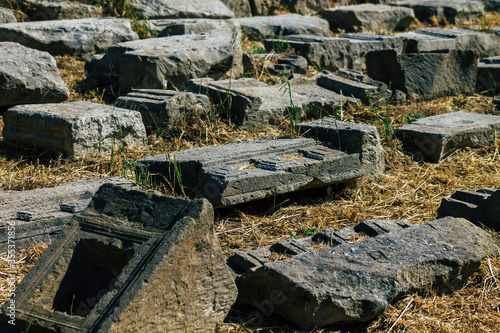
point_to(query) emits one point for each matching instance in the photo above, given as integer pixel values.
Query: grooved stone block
(354, 282)
(451, 11)
(169, 27)
(488, 76)
(75, 128)
(481, 207)
(240, 172)
(79, 38)
(433, 138)
(132, 261)
(163, 110)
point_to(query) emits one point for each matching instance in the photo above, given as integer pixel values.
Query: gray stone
(169, 62)
(251, 103)
(492, 5)
(79, 38)
(332, 53)
(240, 8)
(160, 9)
(428, 75)
(75, 128)
(29, 77)
(163, 110)
(304, 7)
(7, 16)
(59, 10)
(496, 102)
(288, 65)
(355, 282)
(481, 207)
(369, 17)
(261, 27)
(49, 209)
(170, 27)
(351, 138)
(488, 76)
(109, 268)
(433, 138)
(444, 10)
(241, 172)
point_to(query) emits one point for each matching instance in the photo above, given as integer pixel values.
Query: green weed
(411, 118)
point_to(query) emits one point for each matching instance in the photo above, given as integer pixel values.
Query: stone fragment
(49, 210)
(59, 10)
(332, 53)
(433, 138)
(488, 76)
(79, 38)
(252, 103)
(241, 172)
(130, 251)
(75, 128)
(355, 282)
(288, 65)
(496, 102)
(169, 62)
(7, 16)
(160, 9)
(443, 10)
(351, 138)
(369, 17)
(240, 8)
(304, 7)
(481, 207)
(171, 27)
(261, 27)
(29, 77)
(492, 5)
(428, 75)
(163, 110)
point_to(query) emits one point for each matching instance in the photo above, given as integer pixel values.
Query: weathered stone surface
(496, 102)
(80, 38)
(369, 17)
(332, 53)
(451, 11)
(75, 128)
(488, 76)
(7, 16)
(481, 207)
(163, 63)
(252, 103)
(42, 213)
(356, 281)
(304, 7)
(351, 138)
(159, 9)
(241, 172)
(108, 269)
(288, 65)
(435, 137)
(29, 77)
(59, 10)
(169, 27)
(240, 8)
(163, 110)
(428, 75)
(260, 27)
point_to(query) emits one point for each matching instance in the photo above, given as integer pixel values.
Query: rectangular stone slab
(75, 128)
(488, 76)
(433, 138)
(129, 252)
(240, 172)
(355, 282)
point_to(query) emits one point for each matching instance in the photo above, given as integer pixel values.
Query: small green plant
(384, 124)
(281, 45)
(411, 118)
(293, 112)
(308, 232)
(293, 235)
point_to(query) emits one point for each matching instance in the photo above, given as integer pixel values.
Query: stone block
(304, 7)
(240, 8)
(481, 207)
(428, 75)
(488, 76)
(354, 282)
(369, 17)
(163, 110)
(332, 53)
(29, 77)
(351, 138)
(261, 27)
(75, 128)
(173, 9)
(449, 11)
(254, 104)
(7, 16)
(241, 172)
(433, 138)
(496, 102)
(41, 214)
(173, 27)
(79, 38)
(59, 10)
(129, 252)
